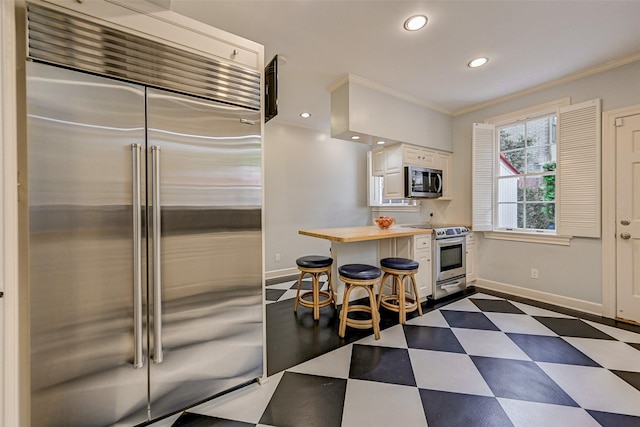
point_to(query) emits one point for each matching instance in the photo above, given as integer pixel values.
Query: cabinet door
(417, 156)
(394, 185)
(393, 159)
(422, 254)
(428, 158)
(471, 259)
(377, 159)
(411, 156)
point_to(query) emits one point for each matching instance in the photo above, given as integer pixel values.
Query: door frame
(9, 324)
(609, 269)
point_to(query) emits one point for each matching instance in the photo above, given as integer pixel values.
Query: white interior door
(628, 217)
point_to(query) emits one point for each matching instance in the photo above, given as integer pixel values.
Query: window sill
(406, 208)
(528, 237)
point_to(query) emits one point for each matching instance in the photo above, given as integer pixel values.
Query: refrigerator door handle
(157, 274)
(138, 357)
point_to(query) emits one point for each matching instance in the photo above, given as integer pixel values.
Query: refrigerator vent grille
(70, 41)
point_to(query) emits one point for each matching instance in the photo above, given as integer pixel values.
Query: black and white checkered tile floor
(479, 361)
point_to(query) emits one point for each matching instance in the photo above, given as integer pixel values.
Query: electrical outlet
(534, 273)
(277, 257)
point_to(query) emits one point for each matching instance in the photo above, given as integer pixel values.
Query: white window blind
(483, 176)
(578, 171)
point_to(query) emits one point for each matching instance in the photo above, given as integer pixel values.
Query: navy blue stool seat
(315, 266)
(359, 276)
(399, 263)
(399, 269)
(314, 261)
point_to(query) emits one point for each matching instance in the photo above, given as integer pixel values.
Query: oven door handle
(450, 241)
(452, 285)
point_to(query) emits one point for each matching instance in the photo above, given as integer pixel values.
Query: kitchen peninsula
(368, 244)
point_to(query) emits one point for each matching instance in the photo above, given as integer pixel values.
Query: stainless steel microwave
(422, 182)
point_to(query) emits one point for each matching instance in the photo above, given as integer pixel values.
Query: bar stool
(399, 269)
(315, 266)
(364, 276)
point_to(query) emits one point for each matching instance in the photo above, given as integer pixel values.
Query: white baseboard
(274, 274)
(559, 300)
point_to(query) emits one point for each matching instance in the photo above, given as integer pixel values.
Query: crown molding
(353, 78)
(571, 77)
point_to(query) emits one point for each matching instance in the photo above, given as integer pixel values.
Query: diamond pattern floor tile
(376, 404)
(522, 380)
(444, 371)
(461, 319)
(595, 388)
(608, 353)
(306, 400)
(607, 419)
(518, 324)
(550, 349)
(382, 364)
(489, 343)
(572, 328)
(196, 420)
(632, 378)
(428, 338)
(444, 409)
(497, 306)
(534, 414)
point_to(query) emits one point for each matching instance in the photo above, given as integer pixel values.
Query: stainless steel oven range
(449, 255)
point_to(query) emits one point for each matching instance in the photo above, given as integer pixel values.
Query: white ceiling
(529, 43)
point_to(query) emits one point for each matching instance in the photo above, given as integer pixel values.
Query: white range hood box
(360, 107)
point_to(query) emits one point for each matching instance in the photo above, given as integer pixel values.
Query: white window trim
(529, 113)
(483, 216)
(533, 237)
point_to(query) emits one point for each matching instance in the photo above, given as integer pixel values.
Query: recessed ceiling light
(415, 22)
(478, 62)
(355, 137)
(381, 142)
(305, 115)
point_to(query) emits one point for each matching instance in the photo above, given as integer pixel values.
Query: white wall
(311, 181)
(573, 272)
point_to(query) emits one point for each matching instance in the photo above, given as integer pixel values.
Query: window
(526, 174)
(536, 172)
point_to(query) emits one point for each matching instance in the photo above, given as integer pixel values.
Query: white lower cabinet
(422, 254)
(417, 248)
(472, 258)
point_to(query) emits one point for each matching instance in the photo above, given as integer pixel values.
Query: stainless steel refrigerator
(145, 248)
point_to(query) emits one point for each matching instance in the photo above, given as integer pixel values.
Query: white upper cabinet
(419, 156)
(377, 158)
(394, 158)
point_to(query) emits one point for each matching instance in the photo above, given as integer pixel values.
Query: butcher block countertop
(359, 234)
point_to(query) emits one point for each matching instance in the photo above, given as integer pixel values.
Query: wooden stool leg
(402, 300)
(345, 309)
(331, 289)
(375, 320)
(417, 296)
(381, 289)
(316, 296)
(295, 306)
